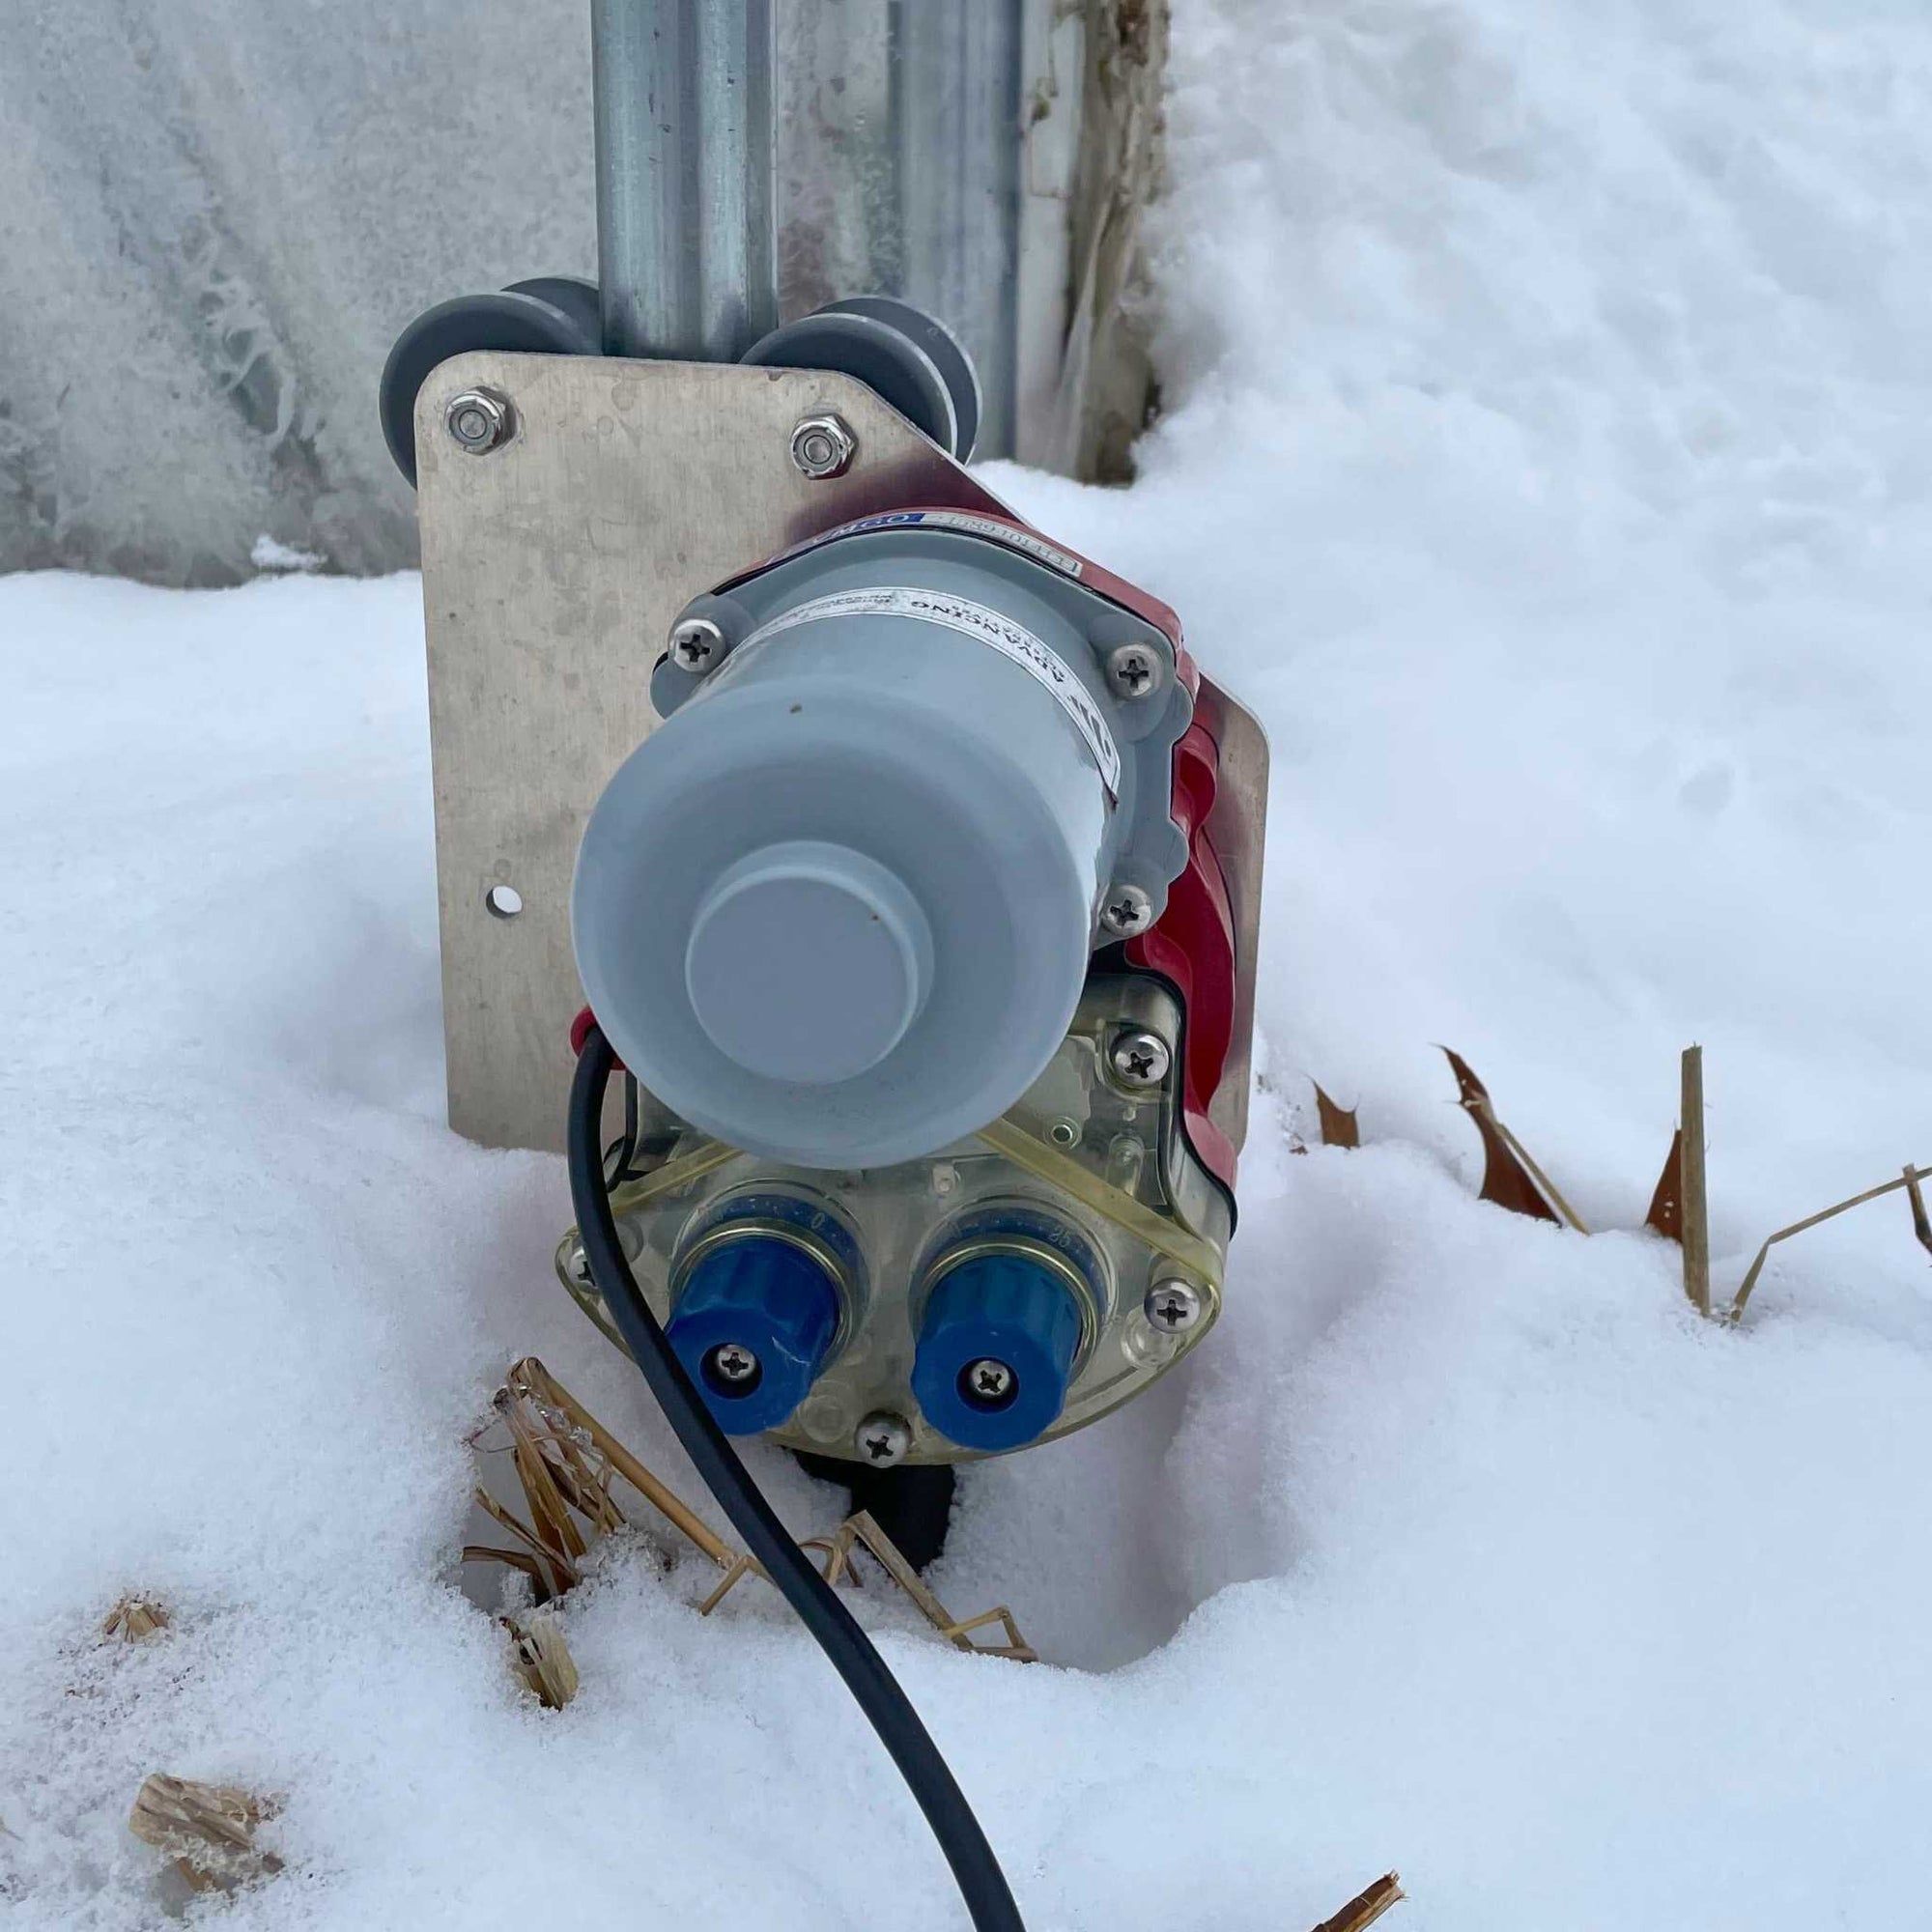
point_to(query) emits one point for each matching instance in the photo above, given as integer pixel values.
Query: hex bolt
(578, 1267)
(1135, 670)
(479, 420)
(882, 1439)
(1140, 1059)
(732, 1364)
(1172, 1307)
(988, 1382)
(823, 446)
(1126, 911)
(697, 643)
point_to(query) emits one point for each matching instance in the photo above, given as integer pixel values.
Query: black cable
(981, 1883)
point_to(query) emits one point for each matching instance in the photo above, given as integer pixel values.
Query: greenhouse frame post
(686, 234)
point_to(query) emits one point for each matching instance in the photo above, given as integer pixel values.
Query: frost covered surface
(1544, 462)
(214, 216)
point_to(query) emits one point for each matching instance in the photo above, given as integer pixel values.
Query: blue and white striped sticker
(1014, 537)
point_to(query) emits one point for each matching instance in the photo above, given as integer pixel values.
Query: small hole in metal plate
(504, 901)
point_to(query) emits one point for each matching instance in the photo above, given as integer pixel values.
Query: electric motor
(839, 908)
(909, 925)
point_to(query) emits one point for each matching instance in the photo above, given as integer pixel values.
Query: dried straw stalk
(566, 1461)
(861, 1529)
(1909, 1183)
(1366, 1907)
(135, 1617)
(542, 1659)
(208, 1830)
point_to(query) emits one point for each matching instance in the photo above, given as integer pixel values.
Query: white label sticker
(1013, 641)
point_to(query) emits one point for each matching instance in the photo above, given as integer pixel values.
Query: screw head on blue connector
(753, 1326)
(996, 1352)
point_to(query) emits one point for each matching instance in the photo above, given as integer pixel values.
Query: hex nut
(479, 420)
(823, 446)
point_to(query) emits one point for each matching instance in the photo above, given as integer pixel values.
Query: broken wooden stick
(1694, 1202)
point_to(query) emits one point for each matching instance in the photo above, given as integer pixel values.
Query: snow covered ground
(1546, 459)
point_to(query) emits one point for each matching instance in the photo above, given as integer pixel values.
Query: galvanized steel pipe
(687, 243)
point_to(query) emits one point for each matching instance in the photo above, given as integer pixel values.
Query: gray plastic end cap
(808, 961)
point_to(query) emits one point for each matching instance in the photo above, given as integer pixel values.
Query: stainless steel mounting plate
(552, 567)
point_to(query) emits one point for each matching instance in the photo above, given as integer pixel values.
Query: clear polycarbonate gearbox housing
(1087, 1186)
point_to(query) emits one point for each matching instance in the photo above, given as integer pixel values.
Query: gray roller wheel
(511, 320)
(947, 353)
(576, 297)
(872, 339)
